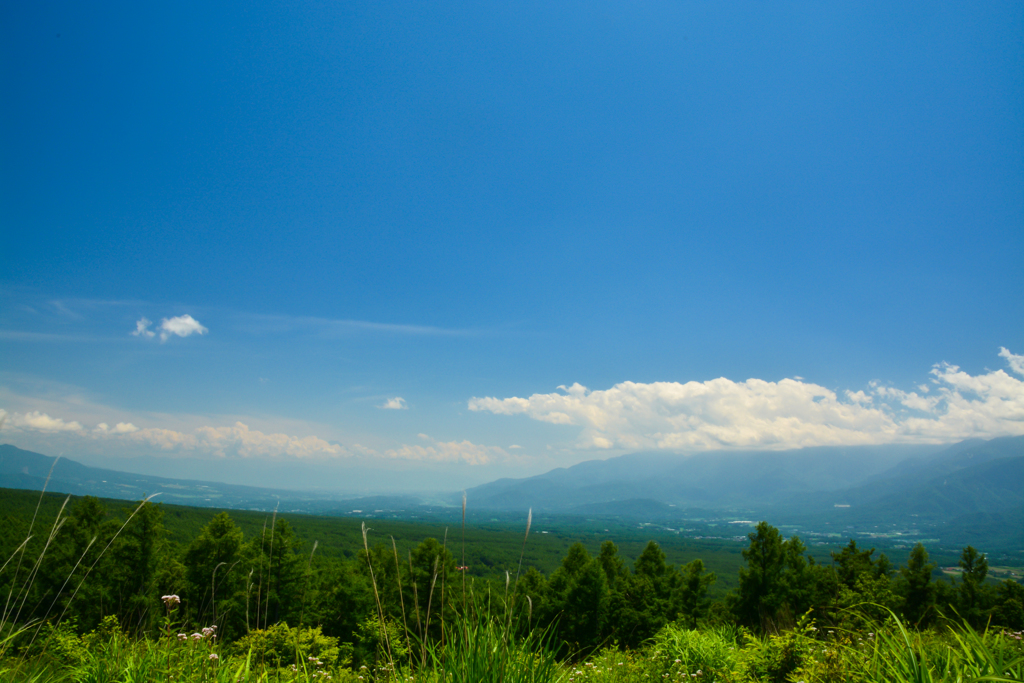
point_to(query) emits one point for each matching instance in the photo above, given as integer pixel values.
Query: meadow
(102, 591)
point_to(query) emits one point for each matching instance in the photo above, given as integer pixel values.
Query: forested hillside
(86, 564)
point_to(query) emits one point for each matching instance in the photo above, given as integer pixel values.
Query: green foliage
(213, 578)
(775, 657)
(712, 652)
(689, 595)
(777, 583)
(280, 646)
(380, 643)
(917, 588)
(84, 604)
(1009, 610)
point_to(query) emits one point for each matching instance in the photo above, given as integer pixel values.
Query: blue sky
(809, 212)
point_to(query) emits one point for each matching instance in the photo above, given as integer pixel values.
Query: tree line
(95, 566)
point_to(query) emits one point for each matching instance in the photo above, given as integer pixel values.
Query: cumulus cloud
(396, 403)
(37, 421)
(180, 326)
(237, 440)
(757, 414)
(451, 451)
(250, 442)
(119, 428)
(142, 328)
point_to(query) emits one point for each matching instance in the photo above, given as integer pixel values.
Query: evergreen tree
(214, 575)
(1009, 610)
(433, 575)
(343, 599)
(778, 584)
(917, 588)
(973, 597)
(760, 594)
(275, 589)
(135, 559)
(577, 599)
(74, 580)
(852, 564)
(613, 566)
(690, 603)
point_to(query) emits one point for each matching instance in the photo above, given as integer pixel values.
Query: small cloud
(396, 403)
(180, 326)
(142, 328)
(119, 428)
(514, 447)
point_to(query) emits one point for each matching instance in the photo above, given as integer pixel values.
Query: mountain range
(871, 481)
(968, 490)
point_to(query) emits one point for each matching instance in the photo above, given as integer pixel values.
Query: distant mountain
(971, 491)
(707, 480)
(21, 469)
(968, 478)
(938, 484)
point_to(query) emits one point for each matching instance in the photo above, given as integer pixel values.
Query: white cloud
(181, 326)
(250, 442)
(142, 328)
(757, 414)
(396, 403)
(237, 440)
(119, 428)
(451, 451)
(37, 421)
(1015, 362)
(178, 326)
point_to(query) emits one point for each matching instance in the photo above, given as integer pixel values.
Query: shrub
(280, 646)
(710, 651)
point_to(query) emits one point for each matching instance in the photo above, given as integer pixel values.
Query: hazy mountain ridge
(701, 480)
(970, 490)
(939, 484)
(21, 469)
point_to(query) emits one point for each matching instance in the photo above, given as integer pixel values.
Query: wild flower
(213, 657)
(170, 601)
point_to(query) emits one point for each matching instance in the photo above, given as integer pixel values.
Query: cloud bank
(37, 421)
(239, 441)
(791, 413)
